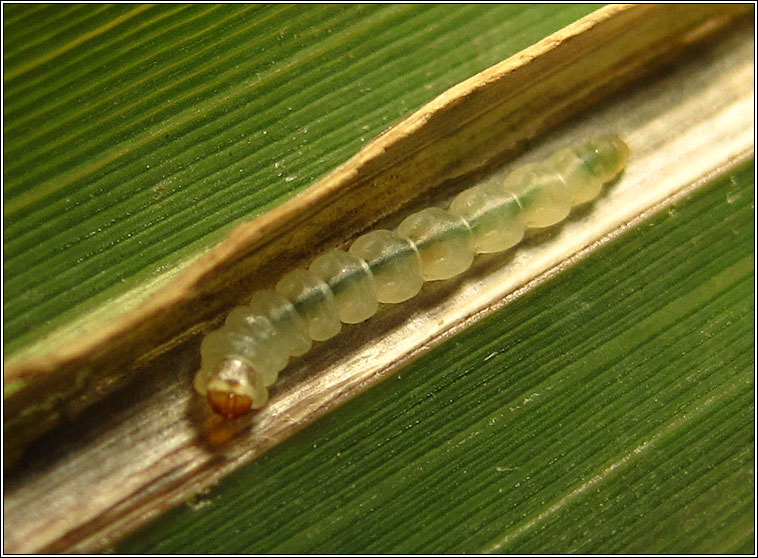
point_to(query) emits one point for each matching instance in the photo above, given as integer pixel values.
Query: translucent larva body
(244, 357)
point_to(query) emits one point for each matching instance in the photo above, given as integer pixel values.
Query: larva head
(605, 156)
(232, 391)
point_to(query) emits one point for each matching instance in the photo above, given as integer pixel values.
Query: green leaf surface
(135, 135)
(609, 410)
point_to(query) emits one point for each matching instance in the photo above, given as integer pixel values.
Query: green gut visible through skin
(378, 263)
(309, 301)
(346, 279)
(528, 197)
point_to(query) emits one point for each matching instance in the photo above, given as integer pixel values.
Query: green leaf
(609, 410)
(135, 135)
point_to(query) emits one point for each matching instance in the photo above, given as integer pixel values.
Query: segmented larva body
(244, 357)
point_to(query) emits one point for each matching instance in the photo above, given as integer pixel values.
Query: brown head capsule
(232, 391)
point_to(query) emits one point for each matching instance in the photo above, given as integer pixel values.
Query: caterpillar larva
(244, 357)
